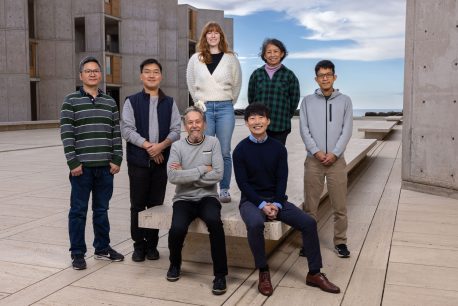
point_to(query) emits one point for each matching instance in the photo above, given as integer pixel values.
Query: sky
(364, 39)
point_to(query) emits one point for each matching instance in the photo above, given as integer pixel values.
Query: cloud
(376, 27)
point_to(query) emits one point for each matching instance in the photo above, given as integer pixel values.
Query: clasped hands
(154, 151)
(271, 211)
(326, 159)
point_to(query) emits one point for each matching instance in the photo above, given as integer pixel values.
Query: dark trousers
(280, 136)
(147, 189)
(254, 220)
(208, 209)
(99, 181)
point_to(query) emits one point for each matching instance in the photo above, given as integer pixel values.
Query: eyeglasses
(89, 71)
(327, 75)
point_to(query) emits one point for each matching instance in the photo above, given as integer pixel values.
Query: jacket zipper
(326, 111)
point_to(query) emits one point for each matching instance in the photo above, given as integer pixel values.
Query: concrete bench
(197, 245)
(397, 119)
(376, 129)
(28, 125)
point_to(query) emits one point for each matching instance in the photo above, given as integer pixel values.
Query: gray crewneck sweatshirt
(193, 182)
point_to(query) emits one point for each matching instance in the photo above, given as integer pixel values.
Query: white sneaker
(224, 196)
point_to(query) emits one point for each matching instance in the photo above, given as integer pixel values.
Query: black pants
(208, 209)
(147, 189)
(280, 136)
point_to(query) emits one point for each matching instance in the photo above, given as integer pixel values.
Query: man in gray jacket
(326, 124)
(195, 166)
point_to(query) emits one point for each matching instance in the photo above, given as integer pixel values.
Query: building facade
(42, 42)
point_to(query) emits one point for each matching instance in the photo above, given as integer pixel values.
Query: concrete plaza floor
(404, 244)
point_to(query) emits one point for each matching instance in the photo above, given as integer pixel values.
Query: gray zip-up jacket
(326, 125)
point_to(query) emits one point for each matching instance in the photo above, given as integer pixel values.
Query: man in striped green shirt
(91, 136)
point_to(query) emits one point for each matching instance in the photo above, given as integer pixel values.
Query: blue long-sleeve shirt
(261, 170)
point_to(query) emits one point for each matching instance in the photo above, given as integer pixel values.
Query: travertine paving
(404, 244)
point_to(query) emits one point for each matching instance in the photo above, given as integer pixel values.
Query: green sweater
(89, 129)
(281, 95)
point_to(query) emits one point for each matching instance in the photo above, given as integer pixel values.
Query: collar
(253, 139)
(85, 94)
(197, 143)
(160, 97)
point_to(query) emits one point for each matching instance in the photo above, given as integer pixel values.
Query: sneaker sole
(78, 268)
(172, 279)
(340, 255)
(101, 257)
(219, 292)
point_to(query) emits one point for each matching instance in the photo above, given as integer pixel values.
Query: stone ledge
(28, 125)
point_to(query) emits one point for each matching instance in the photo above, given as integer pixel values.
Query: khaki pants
(336, 179)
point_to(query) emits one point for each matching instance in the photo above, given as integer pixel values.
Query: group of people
(92, 132)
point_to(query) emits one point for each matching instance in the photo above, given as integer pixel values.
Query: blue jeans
(99, 181)
(254, 220)
(220, 123)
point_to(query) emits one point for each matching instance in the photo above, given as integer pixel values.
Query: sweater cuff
(117, 160)
(73, 163)
(262, 205)
(202, 170)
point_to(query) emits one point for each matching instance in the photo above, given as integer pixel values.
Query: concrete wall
(14, 65)
(56, 55)
(430, 131)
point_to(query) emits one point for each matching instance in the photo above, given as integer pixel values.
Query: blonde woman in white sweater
(214, 80)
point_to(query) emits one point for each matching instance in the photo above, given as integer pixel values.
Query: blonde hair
(204, 48)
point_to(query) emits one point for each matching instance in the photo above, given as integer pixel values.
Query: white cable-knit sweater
(224, 84)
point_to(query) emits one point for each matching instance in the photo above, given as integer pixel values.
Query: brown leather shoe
(320, 280)
(264, 285)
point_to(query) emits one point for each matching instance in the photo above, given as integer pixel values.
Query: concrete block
(84, 7)
(15, 14)
(63, 19)
(171, 44)
(47, 58)
(44, 20)
(18, 97)
(151, 34)
(169, 77)
(428, 26)
(65, 59)
(3, 52)
(2, 16)
(168, 14)
(48, 99)
(94, 35)
(16, 51)
(3, 97)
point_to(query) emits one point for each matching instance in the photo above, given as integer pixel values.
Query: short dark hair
(149, 61)
(276, 43)
(88, 59)
(256, 109)
(325, 64)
